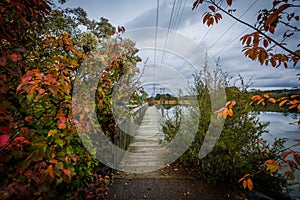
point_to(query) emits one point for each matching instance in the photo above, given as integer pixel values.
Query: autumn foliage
(260, 45)
(41, 154)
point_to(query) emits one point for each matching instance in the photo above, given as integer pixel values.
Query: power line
(229, 28)
(177, 20)
(242, 33)
(169, 27)
(155, 45)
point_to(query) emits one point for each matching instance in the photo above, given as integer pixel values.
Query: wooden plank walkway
(142, 154)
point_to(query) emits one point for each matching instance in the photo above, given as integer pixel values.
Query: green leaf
(30, 97)
(59, 165)
(59, 142)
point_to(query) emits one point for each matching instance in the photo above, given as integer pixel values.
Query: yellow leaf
(250, 184)
(272, 168)
(52, 132)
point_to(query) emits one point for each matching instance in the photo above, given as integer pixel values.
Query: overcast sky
(221, 40)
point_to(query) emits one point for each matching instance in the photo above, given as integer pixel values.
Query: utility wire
(169, 27)
(232, 25)
(223, 49)
(177, 21)
(155, 45)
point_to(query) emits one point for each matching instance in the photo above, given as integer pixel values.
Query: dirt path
(166, 184)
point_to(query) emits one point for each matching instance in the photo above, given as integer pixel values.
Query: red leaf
(61, 126)
(229, 2)
(2, 61)
(4, 140)
(28, 118)
(62, 119)
(3, 77)
(14, 57)
(5, 129)
(26, 78)
(74, 158)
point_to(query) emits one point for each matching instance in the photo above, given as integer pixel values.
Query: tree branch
(254, 28)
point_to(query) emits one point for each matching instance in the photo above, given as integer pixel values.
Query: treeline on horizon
(269, 107)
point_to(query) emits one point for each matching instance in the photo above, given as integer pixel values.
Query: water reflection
(284, 126)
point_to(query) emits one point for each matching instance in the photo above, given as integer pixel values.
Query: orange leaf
(270, 162)
(241, 179)
(272, 100)
(266, 95)
(266, 43)
(230, 112)
(273, 17)
(295, 101)
(61, 126)
(206, 17)
(294, 96)
(297, 158)
(263, 150)
(28, 118)
(293, 106)
(256, 97)
(260, 101)
(50, 170)
(53, 161)
(218, 16)
(232, 104)
(67, 172)
(250, 184)
(225, 113)
(220, 115)
(282, 103)
(212, 8)
(210, 21)
(245, 184)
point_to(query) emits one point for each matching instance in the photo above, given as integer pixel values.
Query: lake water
(281, 126)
